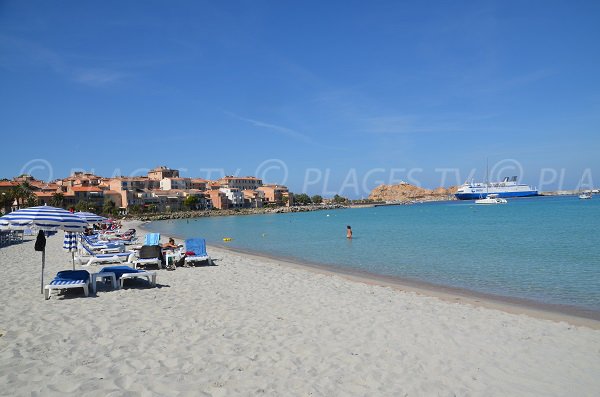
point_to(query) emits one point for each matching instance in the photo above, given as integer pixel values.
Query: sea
(541, 250)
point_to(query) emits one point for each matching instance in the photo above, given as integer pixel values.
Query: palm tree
(32, 201)
(58, 200)
(109, 207)
(6, 201)
(23, 193)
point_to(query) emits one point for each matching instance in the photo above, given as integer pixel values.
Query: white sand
(253, 326)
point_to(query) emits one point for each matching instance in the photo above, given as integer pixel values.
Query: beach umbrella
(90, 217)
(44, 218)
(70, 245)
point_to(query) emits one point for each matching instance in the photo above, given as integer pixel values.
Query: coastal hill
(405, 192)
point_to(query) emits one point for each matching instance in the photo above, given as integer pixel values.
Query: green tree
(135, 209)
(302, 198)
(190, 202)
(23, 193)
(58, 200)
(85, 206)
(339, 199)
(7, 200)
(109, 207)
(32, 201)
(316, 199)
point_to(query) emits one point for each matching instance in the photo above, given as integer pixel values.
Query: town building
(253, 198)
(276, 195)
(161, 190)
(235, 197)
(175, 183)
(218, 199)
(238, 182)
(162, 172)
(199, 184)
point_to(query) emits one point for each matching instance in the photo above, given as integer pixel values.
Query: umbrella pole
(73, 258)
(43, 263)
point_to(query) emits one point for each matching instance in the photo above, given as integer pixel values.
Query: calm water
(545, 249)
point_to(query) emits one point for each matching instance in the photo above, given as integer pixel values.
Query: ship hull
(475, 196)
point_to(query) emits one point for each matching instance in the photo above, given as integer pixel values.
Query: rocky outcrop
(406, 193)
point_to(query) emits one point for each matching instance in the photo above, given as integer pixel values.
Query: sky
(325, 97)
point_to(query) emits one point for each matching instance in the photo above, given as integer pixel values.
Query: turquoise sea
(545, 250)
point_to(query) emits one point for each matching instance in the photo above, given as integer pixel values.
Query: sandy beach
(258, 326)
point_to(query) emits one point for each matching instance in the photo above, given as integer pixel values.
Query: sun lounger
(69, 279)
(149, 255)
(152, 239)
(93, 258)
(125, 273)
(102, 246)
(195, 250)
(127, 237)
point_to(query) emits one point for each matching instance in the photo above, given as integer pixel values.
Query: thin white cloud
(97, 77)
(284, 131)
(28, 52)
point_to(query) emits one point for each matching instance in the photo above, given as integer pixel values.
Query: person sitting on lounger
(171, 244)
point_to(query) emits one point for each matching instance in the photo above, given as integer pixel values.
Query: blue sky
(327, 97)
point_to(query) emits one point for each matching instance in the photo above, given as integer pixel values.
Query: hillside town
(161, 190)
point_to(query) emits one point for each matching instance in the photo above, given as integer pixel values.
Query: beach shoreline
(252, 325)
(572, 315)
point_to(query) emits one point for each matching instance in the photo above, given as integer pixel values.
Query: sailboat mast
(487, 176)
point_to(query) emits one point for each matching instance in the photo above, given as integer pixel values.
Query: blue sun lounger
(102, 246)
(152, 239)
(68, 279)
(126, 256)
(198, 247)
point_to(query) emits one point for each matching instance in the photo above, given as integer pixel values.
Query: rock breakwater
(231, 212)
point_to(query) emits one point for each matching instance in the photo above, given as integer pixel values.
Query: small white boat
(491, 199)
(585, 195)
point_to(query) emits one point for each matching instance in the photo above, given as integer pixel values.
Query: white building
(235, 196)
(175, 184)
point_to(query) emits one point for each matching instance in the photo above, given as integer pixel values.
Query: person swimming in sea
(348, 232)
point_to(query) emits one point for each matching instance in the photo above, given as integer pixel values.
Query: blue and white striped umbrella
(43, 218)
(70, 242)
(90, 217)
(70, 245)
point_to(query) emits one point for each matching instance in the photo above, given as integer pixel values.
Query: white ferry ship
(507, 188)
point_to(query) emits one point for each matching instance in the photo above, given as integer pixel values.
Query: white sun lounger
(148, 255)
(198, 247)
(109, 258)
(93, 258)
(150, 276)
(69, 279)
(125, 273)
